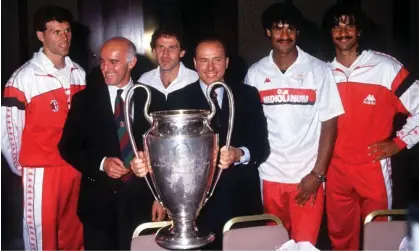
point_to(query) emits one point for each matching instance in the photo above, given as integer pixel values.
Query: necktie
(126, 150)
(216, 120)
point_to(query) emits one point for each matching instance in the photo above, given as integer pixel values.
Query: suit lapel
(102, 111)
(200, 99)
(106, 105)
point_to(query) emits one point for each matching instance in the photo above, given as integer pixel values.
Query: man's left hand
(307, 188)
(157, 212)
(228, 157)
(382, 150)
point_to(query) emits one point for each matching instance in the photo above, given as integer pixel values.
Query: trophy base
(190, 240)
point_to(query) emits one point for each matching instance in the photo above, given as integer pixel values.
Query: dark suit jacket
(89, 135)
(238, 191)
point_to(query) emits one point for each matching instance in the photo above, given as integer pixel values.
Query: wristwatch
(321, 178)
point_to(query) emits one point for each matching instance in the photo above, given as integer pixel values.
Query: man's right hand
(114, 168)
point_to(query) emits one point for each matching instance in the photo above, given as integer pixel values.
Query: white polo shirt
(295, 103)
(185, 77)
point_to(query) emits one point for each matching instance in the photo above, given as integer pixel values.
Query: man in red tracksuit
(34, 108)
(373, 88)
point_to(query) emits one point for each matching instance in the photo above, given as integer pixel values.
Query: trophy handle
(129, 126)
(230, 122)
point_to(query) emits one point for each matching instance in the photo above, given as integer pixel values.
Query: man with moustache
(113, 202)
(238, 190)
(34, 107)
(374, 87)
(171, 75)
(301, 103)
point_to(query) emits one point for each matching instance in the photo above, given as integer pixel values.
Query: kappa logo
(54, 105)
(370, 100)
(267, 80)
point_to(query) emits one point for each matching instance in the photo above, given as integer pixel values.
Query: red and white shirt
(373, 89)
(34, 108)
(295, 103)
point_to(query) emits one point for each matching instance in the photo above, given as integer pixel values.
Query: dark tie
(216, 120)
(126, 150)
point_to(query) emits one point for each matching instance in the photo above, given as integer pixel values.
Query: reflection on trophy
(181, 150)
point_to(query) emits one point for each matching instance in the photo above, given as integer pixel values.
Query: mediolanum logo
(292, 96)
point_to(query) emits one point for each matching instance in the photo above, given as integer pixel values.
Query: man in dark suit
(238, 191)
(112, 201)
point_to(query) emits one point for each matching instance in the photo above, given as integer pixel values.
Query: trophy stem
(184, 226)
(182, 235)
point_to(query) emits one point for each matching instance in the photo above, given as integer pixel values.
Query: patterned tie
(126, 150)
(216, 120)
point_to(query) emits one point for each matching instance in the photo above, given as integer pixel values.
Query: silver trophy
(181, 150)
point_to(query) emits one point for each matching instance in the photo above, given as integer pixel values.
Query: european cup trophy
(181, 150)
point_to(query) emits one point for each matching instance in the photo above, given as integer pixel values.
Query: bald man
(112, 201)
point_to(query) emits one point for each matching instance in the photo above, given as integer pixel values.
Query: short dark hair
(366, 37)
(48, 13)
(212, 39)
(332, 16)
(285, 12)
(167, 31)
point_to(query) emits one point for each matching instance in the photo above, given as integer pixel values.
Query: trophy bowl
(181, 150)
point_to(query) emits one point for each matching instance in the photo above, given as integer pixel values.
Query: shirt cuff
(400, 143)
(101, 165)
(245, 158)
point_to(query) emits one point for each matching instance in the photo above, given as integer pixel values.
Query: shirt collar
(113, 88)
(362, 58)
(48, 64)
(179, 74)
(218, 90)
(300, 57)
